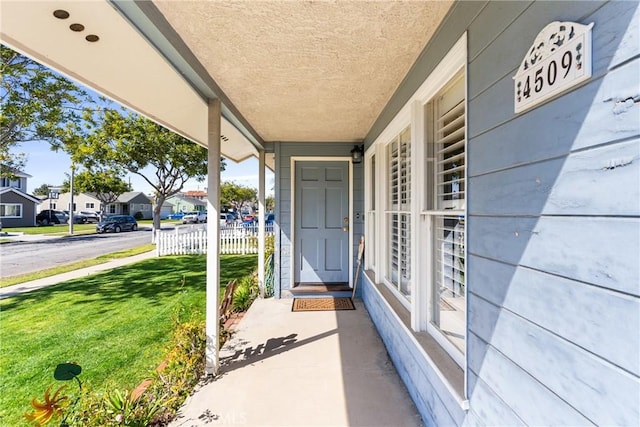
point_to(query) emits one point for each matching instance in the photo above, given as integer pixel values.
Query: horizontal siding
(534, 403)
(600, 251)
(553, 231)
(505, 53)
(434, 402)
(565, 185)
(603, 393)
(529, 292)
(554, 132)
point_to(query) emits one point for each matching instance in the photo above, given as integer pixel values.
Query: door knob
(345, 228)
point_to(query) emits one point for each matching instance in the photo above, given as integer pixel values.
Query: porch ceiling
(285, 71)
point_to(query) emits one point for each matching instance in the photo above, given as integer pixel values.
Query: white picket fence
(187, 240)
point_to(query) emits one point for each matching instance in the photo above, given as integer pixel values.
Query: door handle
(345, 228)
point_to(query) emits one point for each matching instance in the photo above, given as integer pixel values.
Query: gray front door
(322, 222)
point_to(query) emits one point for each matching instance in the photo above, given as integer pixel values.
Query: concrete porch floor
(325, 368)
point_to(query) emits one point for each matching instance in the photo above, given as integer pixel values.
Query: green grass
(113, 324)
(51, 229)
(21, 278)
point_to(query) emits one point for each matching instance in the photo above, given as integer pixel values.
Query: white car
(194, 217)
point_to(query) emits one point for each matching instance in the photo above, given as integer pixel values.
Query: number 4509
(540, 78)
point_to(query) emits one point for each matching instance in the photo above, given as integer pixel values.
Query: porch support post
(213, 240)
(261, 221)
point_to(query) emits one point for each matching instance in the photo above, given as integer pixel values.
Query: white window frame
(89, 205)
(412, 114)
(12, 204)
(371, 210)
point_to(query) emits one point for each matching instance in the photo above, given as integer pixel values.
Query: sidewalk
(20, 288)
(284, 368)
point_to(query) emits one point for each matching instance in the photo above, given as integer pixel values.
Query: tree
(43, 190)
(133, 143)
(37, 104)
(270, 203)
(236, 196)
(107, 185)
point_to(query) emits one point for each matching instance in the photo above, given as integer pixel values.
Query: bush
(246, 292)
(157, 405)
(138, 215)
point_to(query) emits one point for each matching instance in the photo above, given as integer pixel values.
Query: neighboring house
(17, 208)
(182, 203)
(196, 194)
(501, 238)
(130, 203)
(166, 209)
(81, 202)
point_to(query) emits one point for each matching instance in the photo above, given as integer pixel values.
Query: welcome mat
(322, 304)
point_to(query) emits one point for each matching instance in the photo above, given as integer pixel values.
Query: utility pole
(73, 169)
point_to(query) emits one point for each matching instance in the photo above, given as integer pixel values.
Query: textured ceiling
(306, 71)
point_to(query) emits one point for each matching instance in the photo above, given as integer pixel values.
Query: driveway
(27, 257)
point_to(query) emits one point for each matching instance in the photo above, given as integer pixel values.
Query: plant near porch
(114, 324)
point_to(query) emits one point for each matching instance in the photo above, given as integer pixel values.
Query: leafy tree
(107, 185)
(37, 104)
(43, 190)
(270, 203)
(133, 143)
(237, 196)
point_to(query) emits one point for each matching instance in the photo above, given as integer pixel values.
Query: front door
(321, 222)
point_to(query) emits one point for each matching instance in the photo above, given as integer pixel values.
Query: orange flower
(45, 411)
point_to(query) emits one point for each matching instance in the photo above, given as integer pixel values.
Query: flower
(119, 418)
(45, 411)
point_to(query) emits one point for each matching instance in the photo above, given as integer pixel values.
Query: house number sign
(559, 59)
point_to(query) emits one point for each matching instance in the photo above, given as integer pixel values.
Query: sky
(51, 168)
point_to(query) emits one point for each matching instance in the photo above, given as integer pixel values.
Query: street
(26, 257)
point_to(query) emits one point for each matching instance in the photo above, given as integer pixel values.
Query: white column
(213, 236)
(262, 213)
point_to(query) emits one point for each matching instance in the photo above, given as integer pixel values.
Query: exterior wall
(181, 204)
(28, 211)
(553, 231)
(283, 197)
(19, 182)
(140, 203)
(63, 200)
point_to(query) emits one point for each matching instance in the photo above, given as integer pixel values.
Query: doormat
(322, 304)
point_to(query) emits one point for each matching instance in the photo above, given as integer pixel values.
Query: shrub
(138, 215)
(168, 388)
(246, 292)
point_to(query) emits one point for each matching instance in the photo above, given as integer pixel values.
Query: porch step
(321, 290)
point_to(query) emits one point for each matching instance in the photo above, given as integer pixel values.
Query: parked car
(249, 220)
(269, 219)
(194, 217)
(77, 218)
(226, 219)
(90, 216)
(117, 223)
(51, 216)
(177, 215)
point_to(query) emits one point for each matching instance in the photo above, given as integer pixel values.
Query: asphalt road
(26, 257)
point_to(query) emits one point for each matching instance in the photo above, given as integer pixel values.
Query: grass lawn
(113, 324)
(21, 278)
(52, 229)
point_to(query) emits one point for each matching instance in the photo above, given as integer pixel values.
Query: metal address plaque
(559, 58)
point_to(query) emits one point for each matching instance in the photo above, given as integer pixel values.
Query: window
(89, 205)
(112, 209)
(10, 210)
(398, 213)
(445, 182)
(53, 205)
(372, 226)
(14, 183)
